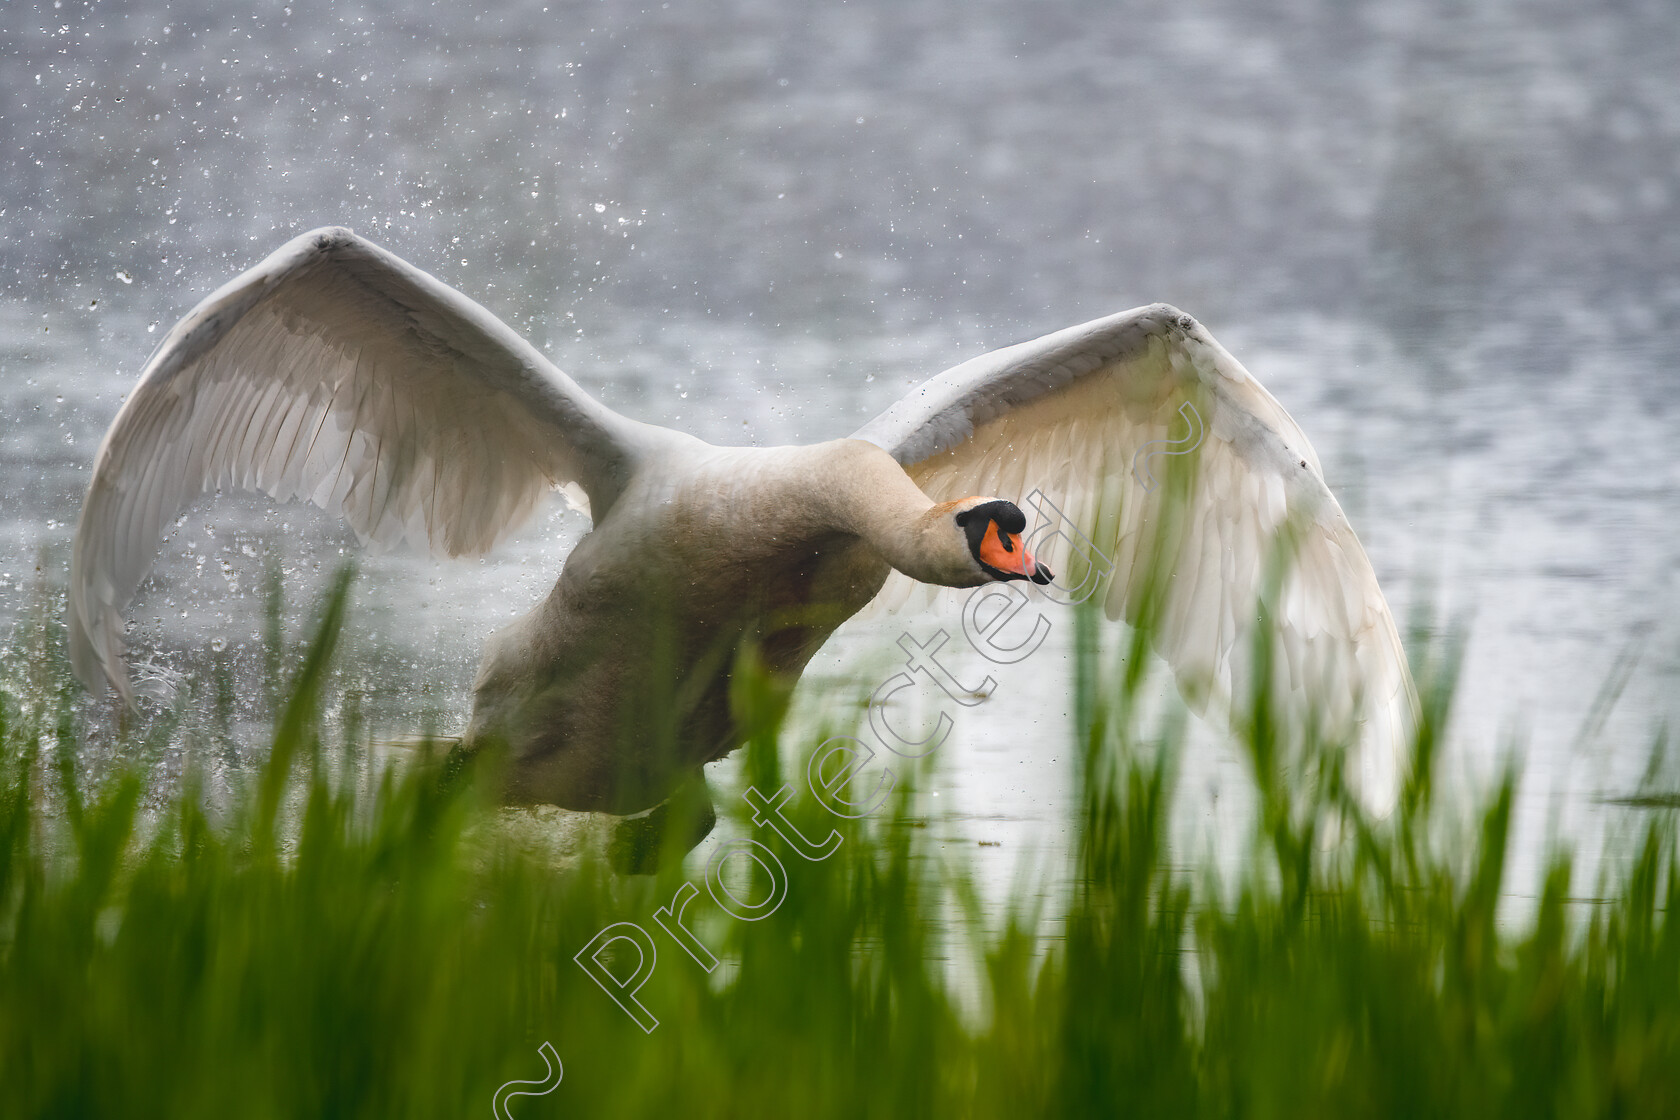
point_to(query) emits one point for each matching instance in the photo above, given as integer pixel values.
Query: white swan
(336, 372)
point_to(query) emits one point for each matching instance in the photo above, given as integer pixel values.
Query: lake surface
(1446, 236)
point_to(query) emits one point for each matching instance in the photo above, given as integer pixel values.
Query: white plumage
(1066, 414)
(337, 373)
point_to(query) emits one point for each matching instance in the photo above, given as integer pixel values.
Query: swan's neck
(875, 500)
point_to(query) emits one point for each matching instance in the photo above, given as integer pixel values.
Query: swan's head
(991, 531)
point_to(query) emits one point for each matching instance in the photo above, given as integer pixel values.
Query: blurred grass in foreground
(330, 944)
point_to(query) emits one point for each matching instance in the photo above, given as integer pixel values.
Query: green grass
(329, 941)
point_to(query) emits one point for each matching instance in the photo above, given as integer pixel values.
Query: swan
(336, 372)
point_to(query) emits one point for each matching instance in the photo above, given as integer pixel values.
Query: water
(1445, 235)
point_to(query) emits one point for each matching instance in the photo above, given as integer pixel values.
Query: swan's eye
(1005, 556)
(997, 550)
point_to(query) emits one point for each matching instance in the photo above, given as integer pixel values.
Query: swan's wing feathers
(1162, 479)
(337, 373)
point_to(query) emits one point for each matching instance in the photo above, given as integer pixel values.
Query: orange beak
(1006, 553)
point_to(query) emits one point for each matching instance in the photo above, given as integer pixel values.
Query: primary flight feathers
(337, 373)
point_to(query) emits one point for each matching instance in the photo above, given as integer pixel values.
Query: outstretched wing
(336, 372)
(1181, 477)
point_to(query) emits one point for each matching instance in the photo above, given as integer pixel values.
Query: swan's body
(336, 372)
(709, 547)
